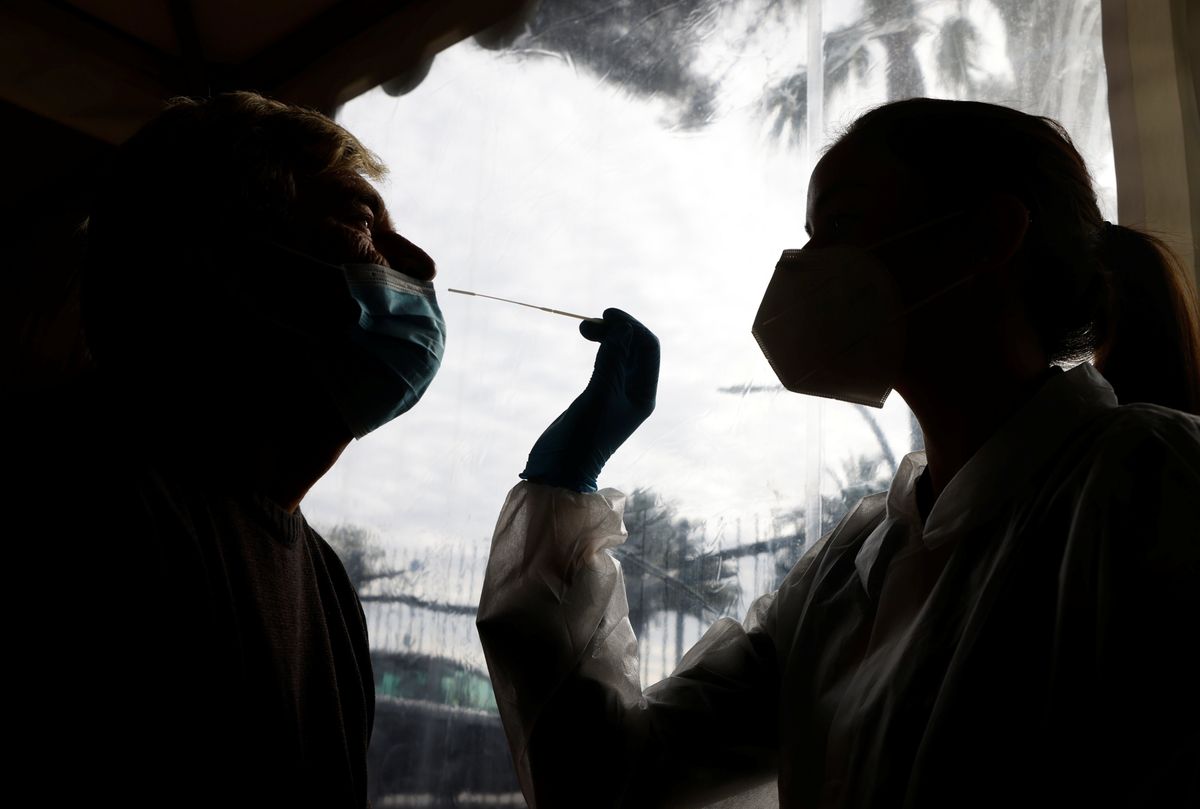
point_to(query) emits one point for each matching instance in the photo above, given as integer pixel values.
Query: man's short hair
(202, 171)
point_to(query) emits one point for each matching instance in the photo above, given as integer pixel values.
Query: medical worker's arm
(1129, 662)
(554, 624)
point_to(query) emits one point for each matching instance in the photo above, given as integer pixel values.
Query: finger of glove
(591, 330)
(597, 332)
(639, 356)
(645, 356)
(624, 330)
(613, 355)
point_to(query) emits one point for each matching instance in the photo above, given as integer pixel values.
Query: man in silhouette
(186, 637)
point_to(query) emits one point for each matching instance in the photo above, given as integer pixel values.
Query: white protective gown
(1034, 642)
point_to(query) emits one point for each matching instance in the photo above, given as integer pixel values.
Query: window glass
(651, 156)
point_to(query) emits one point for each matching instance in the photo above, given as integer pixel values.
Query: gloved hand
(619, 397)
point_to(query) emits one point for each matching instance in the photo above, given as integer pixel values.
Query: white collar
(1029, 439)
(901, 517)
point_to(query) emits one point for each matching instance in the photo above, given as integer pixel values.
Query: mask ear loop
(962, 281)
(945, 290)
(917, 229)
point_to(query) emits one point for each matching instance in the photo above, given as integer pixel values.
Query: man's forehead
(347, 185)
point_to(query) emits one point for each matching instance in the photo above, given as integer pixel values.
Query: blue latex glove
(619, 397)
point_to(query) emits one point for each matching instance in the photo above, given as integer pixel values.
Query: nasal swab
(530, 305)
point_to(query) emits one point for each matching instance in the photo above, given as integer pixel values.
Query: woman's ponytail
(1092, 290)
(1149, 339)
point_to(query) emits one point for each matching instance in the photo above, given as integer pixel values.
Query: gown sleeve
(553, 620)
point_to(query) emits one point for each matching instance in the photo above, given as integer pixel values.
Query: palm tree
(668, 569)
(647, 47)
(896, 24)
(859, 476)
(650, 48)
(359, 550)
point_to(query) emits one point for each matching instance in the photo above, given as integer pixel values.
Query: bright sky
(530, 179)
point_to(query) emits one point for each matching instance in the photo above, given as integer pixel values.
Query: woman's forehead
(860, 170)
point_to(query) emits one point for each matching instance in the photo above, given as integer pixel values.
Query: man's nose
(406, 257)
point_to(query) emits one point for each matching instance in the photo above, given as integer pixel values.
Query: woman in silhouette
(1013, 622)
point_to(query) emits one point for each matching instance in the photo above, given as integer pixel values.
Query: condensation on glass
(651, 156)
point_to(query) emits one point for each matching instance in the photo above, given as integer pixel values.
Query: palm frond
(956, 53)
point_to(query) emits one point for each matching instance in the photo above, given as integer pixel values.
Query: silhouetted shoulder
(1148, 421)
(1137, 496)
(1149, 440)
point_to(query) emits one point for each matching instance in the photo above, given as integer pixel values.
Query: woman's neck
(959, 418)
(972, 360)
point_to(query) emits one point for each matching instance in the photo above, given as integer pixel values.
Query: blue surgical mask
(367, 337)
(397, 343)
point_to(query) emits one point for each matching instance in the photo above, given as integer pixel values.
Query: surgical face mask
(369, 337)
(832, 322)
(397, 346)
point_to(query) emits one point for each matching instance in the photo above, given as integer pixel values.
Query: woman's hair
(1092, 289)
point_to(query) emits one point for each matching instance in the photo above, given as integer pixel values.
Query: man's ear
(1001, 224)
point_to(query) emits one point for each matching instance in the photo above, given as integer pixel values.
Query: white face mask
(832, 322)
(830, 325)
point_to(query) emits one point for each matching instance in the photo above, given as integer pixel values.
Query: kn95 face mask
(830, 325)
(832, 322)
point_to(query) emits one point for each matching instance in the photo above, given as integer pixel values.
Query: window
(651, 156)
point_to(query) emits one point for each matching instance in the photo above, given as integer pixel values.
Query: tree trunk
(678, 636)
(904, 78)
